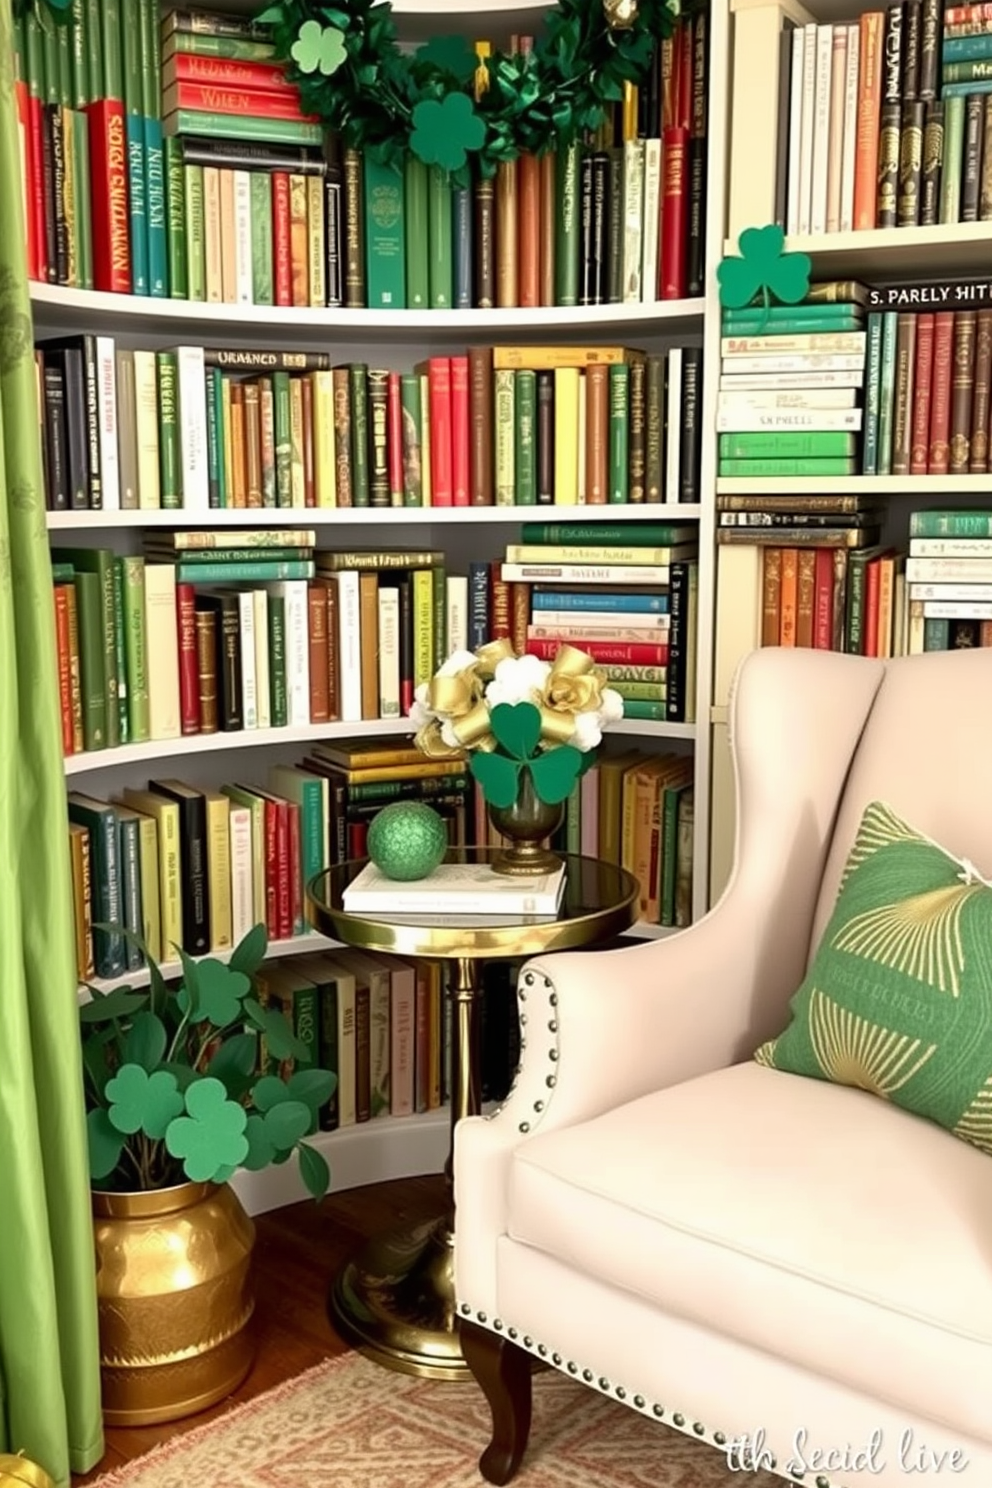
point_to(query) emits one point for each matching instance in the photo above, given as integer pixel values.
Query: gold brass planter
(175, 1300)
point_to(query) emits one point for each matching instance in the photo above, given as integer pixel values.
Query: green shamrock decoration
(143, 1102)
(217, 991)
(318, 48)
(517, 730)
(105, 1144)
(444, 133)
(763, 269)
(452, 54)
(210, 1139)
(497, 776)
(555, 773)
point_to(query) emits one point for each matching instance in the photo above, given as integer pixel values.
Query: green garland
(353, 76)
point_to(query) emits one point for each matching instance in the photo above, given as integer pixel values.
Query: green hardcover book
(100, 563)
(886, 392)
(786, 444)
(607, 534)
(101, 823)
(277, 661)
(950, 524)
(311, 793)
(769, 469)
(439, 237)
(120, 655)
(63, 46)
(135, 648)
(215, 453)
(413, 488)
(130, 872)
(567, 217)
(79, 73)
(654, 430)
(262, 291)
(175, 200)
(231, 48)
(266, 408)
(953, 91)
(936, 635)
(170, 488)
(111, 39)
(92, 664)
(648, 692)
(854, 628)
(619, 433)
(615, 229)
(358, 385)
(282, 413)
(196, 234)
(793, 324)
(328, 1045)
(417, 213)
(157, 217)
(761, 316)
(198, 558)
(93, 34)
(873, 389)
(84, 216)
(525, 418)
(950, 174)
(385, 237)
(243, 127)
(642, 708)
(672, 799)
(244, 573)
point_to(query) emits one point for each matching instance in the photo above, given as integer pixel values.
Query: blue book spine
(629, 604)
(137, 203)
(967, 48)
(936, 635)
(158, 250)
(478, 604)
(886, 393)
(873, 373)
(462, 254)
(962, 90)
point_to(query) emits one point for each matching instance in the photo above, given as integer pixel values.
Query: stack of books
(625, 595)
(220, 189)
(470, 890)
(790, 376)
(194, 428)
(928, 381)
(949, 580)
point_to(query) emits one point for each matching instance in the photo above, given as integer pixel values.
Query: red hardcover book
(295, 874)
(258, 77)
(394, 439)
(460, 464)
(64, 653)
(872, 576)
(111, 225)
(919, 448)
(632, 653)
(961, 15)
(439, 387)
(189, 671)
(23, 100)
(499, 605)
(282, 238)
(271, 867)
(528, 231)
(823, 600)
(36, 189)
(211, 99)
(940, 397)
(674, 203)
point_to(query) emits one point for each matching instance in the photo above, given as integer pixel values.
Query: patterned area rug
(351, 1424)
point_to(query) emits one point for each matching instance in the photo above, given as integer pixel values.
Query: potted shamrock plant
(184, 1085)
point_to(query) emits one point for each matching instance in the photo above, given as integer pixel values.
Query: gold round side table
(395, 1301)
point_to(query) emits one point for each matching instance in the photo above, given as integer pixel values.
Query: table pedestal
(395, 1300)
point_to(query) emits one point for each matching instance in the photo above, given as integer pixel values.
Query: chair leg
(503, 1372)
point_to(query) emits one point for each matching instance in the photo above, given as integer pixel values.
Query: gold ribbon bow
(575, 685)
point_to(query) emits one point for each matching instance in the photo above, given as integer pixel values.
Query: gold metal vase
(527, 823)
(175, 1299)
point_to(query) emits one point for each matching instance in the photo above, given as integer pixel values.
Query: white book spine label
(193, 427)
(652, 220)
(242, 897)
(633, 226)
(106, 394)
(795, 131)
(263, 682)
(389, 652)
(246, 626)
(349, 646)
(850, 128)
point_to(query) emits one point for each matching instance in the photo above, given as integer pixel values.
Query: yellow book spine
(151, 909)
(628, 818)
(297, 480)
(423, 626)
(227, 437)
(566, 436)
(71, 206)
(550, 358)
(325, 471)
(299, 252)
(79, 846)
(638, 849)
(506, 436)
(146, 432)
(219, 870)
(316, 240)
(426, 487)
(166, 815)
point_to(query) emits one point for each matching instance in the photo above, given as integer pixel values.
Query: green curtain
(49, 1362)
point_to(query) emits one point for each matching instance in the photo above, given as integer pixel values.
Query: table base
(395, 1302)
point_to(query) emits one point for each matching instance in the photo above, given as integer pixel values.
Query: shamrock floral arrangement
(173, 1086)
(514, 713)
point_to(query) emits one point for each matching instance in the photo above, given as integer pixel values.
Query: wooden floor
(297, 1251)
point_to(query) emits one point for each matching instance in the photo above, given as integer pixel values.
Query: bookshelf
(388, 1147)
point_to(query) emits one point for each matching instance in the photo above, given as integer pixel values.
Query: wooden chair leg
(503, 1372)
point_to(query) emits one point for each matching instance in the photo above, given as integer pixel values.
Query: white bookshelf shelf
(297, 946)
(82, 309)
(368, 516)
(894, 253)
(927, 487)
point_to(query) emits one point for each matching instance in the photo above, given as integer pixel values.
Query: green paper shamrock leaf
(314, 1170)
(249, 953)
(764, 269)
(105, 1144)
(261, 1150)
(555, 773)
(145, 1042)
(234, 1063)
(517, 727)
(314, 1087)
(211, 1137)
(278, 1032)
(497, 776)
(444, 132)
(318, 46)
(218, 994)
(452, 54)
(142, 1102)
(267, 1092)
(286, 1123)
(117, 1004)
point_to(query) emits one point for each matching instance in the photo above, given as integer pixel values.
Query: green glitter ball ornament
(407, 840)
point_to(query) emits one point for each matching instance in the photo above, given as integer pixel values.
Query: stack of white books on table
(467, 890)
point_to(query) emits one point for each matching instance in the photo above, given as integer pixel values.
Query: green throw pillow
(898, 999)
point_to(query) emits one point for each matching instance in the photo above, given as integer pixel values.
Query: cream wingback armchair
(728, 1249)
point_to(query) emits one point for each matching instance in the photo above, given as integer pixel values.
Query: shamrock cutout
(497, 776)
(261, 1149)
(762, 268)
(318, 47)
(517, 727)
(105, 1144)
(219, 992)
(444, 132)
(314, 1171)
(286, 1123)
(452, 54)
(143, 1102)
(210, 1139)
(555, 773)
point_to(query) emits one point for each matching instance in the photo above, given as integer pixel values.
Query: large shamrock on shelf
(319, 48)
(444, 133)
(762, 268)
(210, 1139)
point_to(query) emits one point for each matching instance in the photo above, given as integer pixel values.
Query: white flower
(518, 679)
(612, 707)
(448, 735)
(420, 714)
(588, 733)
(457, 662)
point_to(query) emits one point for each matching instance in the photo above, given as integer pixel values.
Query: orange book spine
(519, 616)
(805, 593)
(872, 574)
(788, 598)
(940, 393)
(529, 231)
(869, 111)
(63, 652)
(823, 600)
(281, 236)
(548, 228)
(499, 606)
(320, 700)
(771, 595)
(439, 388)
(299, 241)
(922, 382)
(597, 435)
(239, 450)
